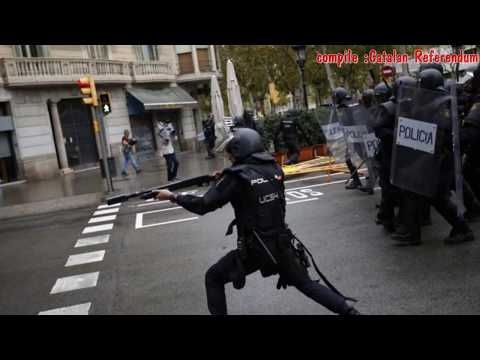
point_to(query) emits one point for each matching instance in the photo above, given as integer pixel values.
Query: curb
(48, 206)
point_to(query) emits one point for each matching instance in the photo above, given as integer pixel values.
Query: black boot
(459, 236)
(366, 189)
(353, 185)
(405, 238)
(352, 311)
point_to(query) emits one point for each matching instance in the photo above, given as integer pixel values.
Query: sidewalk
(87, 188)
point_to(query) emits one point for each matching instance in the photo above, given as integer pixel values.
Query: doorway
(77, 128)
(142, 130)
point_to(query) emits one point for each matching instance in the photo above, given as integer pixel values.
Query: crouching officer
(255, 188)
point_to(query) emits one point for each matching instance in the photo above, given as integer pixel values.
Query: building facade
(46, 130)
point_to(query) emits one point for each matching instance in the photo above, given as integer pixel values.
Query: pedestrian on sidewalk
(127, 151)
(167, 134)
(209, 133)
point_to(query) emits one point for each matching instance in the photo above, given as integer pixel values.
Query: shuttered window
(204, 60)
(185, 63)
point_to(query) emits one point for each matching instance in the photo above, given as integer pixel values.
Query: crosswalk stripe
(96, 228)
(106, 212)
(102, 219)
(85, 258)
(105, 206)
(75, 282)
(80, 309)
(93, 240)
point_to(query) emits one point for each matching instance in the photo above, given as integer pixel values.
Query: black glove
(282, 283)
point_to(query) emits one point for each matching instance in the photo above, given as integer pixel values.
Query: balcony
(152, 71)
(47, 71)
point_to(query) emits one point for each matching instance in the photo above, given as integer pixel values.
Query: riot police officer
(384, 125)
(254, 185)
(470, 136)
(341, 100)
(432, 79)
(246, 120)
(289, 127)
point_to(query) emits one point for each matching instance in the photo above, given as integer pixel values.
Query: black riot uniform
(246, 120)
(470, 142)
(289, 127)
(470, 135)
(383, 125)
(341, 99)
(414, 204)
(254, 186)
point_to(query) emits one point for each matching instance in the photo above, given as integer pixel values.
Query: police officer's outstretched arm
(216, 197)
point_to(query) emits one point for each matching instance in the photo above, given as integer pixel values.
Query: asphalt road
(153, 257)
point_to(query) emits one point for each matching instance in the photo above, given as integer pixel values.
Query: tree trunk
(328, 70)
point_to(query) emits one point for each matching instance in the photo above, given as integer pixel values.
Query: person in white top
(166, 133)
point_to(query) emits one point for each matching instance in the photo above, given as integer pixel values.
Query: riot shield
(422, 157)
(360, 138)
(334, 136)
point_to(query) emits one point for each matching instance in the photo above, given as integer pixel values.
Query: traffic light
(105, 103)
(87, 87)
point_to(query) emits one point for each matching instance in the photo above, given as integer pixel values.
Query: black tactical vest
(289, 128)
(262, 208)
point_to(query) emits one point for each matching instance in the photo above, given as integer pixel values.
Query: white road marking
(102, 219)
(106, 212)
(80, 309)
(301, 201)
(75, 282)
(85, 258)
(92, 229)
(93, 240)
(139, 221)
(153, 203)
(105, 206)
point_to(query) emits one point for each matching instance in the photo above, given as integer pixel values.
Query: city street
(146, 257)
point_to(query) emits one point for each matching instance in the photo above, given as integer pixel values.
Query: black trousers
(225, 271)
(352, 168)
(293, 151)
(210, 143)
(172, 165)
(414, 206)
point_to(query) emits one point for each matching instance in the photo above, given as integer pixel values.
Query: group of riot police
(412, 181)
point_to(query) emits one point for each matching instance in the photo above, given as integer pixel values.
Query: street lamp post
(301, 50)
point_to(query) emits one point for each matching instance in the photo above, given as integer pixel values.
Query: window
(185, 63)
(203, 56)
(147, 52)
(31, 50)
(97, 52)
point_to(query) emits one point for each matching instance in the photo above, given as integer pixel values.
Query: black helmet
(382, 92)
(339, 95)
(431, 79)
(244, 143)
(404, 80)
(248, 114)
(367, 97)
(435, 66)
